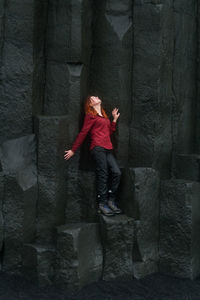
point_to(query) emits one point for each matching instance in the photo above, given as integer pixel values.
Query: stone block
(39, 263)
(179, 246)
(18, 161)
(139, 198)
(187, 166)
(18, 158)
(117, 235)
(19, 211)
(79, 254)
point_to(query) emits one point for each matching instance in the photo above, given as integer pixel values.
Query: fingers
(67, 155)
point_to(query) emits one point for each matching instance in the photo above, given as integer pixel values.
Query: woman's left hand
(115, 114)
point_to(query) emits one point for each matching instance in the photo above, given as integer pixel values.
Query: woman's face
(94, 100)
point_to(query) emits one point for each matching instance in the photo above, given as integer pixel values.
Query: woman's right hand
(69, 154)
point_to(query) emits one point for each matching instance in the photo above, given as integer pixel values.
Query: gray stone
(117, 234)
(18, 158)
(139, 198)
(19, 212)
(186, 166)
(16, 70)
(79, 254)
(39, 263)
(65, 89)
(18, 161)
(69, 31)
(179, 228)
(184, 76)
(81, 202)
(150, 130)
(111, 69)
(1, 208)
(197, 113)
(52, 134)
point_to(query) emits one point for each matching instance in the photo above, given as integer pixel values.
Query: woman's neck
(98, 109)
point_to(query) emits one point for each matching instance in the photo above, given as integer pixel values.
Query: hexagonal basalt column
(139, 198)
(52, 134)
(69, 31)
(79, 254)
(117, 234)
(18, 159)
(1, 208)
(111, 64)
(179, 228)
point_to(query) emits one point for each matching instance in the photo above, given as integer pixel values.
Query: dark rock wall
(140, 56)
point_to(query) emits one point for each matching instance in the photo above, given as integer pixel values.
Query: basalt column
(111, 68)
(21, 55)
(184, 76)
(197, 140)
(151, 137)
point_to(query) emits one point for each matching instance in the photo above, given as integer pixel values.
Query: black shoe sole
(106, 215)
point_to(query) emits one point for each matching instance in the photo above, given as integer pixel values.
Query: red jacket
(100, 130)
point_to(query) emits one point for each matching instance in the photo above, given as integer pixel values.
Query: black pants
(106, 165)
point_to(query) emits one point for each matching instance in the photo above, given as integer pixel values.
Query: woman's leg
(115, 175)
(100, 157)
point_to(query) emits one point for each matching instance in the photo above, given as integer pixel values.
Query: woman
(98, 124)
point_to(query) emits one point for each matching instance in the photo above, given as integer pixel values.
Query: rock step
(79, 254)
(39, 263)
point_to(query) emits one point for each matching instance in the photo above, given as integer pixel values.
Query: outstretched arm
(88, 122)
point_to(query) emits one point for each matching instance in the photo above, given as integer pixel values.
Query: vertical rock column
(197, 139)
(52, 136)
(18, 159)
(150, 139)
(17, 67)
(184, 76)
(139, 198)
(111, 64)
(67, 66)
(179, 246)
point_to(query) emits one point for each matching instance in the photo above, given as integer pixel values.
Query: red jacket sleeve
(112, 127)
(88, 122)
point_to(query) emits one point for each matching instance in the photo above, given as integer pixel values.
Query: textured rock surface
(117, 234)
(81, 202)
(52, 133)
(150, 138)
(111, 68)
(18, 161)
(79, 254)
(38, 263)
(186, 166)
(140, 199)
(140, 56)
(18, 157)
(16, 68)
(1, 208)
(179, 228)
